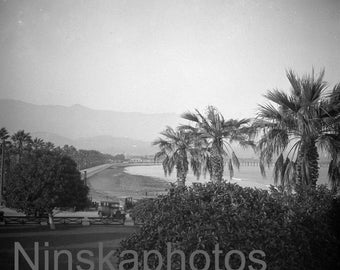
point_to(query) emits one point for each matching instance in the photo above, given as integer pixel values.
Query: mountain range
(110, 132)
(105, 144)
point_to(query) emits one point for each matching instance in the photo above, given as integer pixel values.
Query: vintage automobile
(112, 210)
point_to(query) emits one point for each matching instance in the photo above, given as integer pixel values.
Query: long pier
(249, 162)
(244, 162)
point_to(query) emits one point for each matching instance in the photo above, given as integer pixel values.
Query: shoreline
(139, 186)
(114, 183)
(121, 183)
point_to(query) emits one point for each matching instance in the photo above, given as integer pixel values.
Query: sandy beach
(113, 183)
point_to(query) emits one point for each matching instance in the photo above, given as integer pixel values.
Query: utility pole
(2, 182)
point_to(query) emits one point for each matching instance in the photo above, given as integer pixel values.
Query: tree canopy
(44, 180)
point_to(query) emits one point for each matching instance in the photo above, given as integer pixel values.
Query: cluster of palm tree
(21, 143)
(287, 133)
(16, 146)
(206, 145)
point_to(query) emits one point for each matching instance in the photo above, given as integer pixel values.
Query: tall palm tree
(21, 142)
(218, 135)
(3, 137)
(292, 127)
(5, 157)
(177, 151)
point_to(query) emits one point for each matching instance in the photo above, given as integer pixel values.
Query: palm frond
(278, 168)
(282, 99)
(268, 111)
(190, 116)
(294, 82)
(235, 160)
(334, 172)
(262, 168)
(231, 168)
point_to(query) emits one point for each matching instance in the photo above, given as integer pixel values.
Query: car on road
(111, 209)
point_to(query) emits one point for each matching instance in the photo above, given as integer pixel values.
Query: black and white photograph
(169, 134)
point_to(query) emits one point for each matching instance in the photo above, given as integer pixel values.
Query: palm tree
(177, 151)
(217, 135)
(49, 146)
(4, 134)
(5, 158)
(293, 125)
(3, 137)
(37, 144)
(21, 141)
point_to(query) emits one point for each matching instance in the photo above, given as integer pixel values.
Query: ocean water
(246, 176)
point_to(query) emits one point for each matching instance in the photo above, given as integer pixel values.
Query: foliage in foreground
(295, 231)
(44, 180)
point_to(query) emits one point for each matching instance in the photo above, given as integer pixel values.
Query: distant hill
(106, 131)
(81, 122)
(104, 144)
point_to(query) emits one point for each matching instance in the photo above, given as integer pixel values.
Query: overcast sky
(163, 56)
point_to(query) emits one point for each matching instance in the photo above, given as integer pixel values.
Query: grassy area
(72, 238)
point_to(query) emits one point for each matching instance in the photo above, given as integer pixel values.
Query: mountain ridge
(78, 121)
(106, 131)
(105, 144)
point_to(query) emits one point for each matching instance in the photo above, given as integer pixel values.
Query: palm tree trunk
(300, 171)
(181, 175)
(217, 167)
(307, 171)
(313, 164)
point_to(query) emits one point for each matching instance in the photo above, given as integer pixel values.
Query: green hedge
(294, 231)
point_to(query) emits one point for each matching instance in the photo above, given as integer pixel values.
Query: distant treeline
(21, 142)
(90, 158)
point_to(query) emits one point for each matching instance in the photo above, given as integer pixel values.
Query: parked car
(111, 209)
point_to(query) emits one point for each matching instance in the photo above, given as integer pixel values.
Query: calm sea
(247, 176)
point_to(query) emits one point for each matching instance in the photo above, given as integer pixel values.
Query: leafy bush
(294, 231)
(141, 211)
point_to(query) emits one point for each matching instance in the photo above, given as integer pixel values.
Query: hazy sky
(163, 56)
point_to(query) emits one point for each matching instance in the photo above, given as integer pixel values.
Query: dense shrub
(294, 231)
(142, 210)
